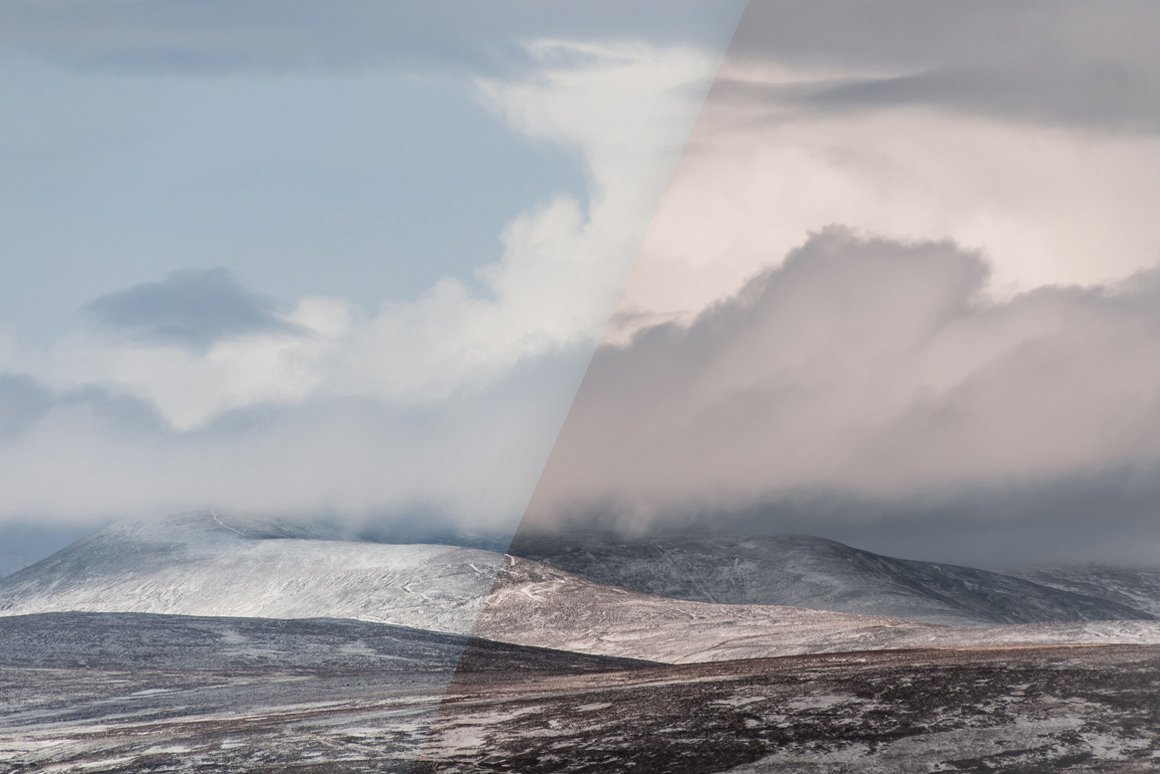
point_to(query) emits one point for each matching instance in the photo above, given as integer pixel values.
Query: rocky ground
(358, 697)
(1053, 709)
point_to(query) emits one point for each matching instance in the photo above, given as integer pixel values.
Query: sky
(886, 273)
(345, 258)
(902, 291)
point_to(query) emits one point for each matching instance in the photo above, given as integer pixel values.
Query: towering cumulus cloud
(866, 368)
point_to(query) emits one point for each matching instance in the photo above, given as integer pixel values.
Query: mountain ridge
(816, 573)
(206, 565)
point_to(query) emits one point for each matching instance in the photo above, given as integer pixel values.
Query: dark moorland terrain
(109, 692)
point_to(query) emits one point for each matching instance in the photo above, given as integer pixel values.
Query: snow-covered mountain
(210, 565)
(207, 565)
(821, 574)
(533, 604)
(278, 674)
(1135, 587)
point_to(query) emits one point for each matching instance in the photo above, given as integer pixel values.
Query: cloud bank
(865, 369)
(901, 292)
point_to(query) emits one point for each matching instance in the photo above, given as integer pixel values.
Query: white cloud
(471, 459)
(1048, 204)
(623, 108)
(451, 398)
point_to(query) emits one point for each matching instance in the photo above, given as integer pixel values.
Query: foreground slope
(138, 692)
(811, 572)
(145, 641)
(1073, 709)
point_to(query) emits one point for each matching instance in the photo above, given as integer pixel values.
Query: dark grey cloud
(203, 36)
(1097, 95)
(22, 401)
(957, 33)
(1092, 65)
(191, 308)
(877, 376)
(1110, 516)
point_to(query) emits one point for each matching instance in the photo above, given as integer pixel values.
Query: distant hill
(673, 602)
(207, 565)
(811, 572)
(1135, 587)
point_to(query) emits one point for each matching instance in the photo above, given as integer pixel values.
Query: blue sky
(346, 256)
(341, 152)
(363, 184)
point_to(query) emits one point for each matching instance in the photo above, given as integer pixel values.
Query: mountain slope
(1132, 586)
(205, 565)
(137, 641)
(533, 604)
(821, 574)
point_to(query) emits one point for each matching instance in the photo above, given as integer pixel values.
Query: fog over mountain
(877, 381)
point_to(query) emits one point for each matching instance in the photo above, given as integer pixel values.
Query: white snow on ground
(922, 753)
